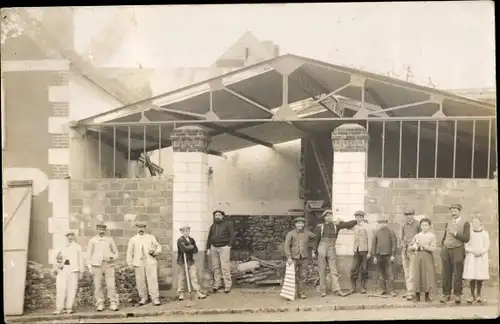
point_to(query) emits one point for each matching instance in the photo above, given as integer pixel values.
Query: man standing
(220, 239)
(409, 229)
(141, 254)
(101, 256)
(69, 269)
(384, 249)
(456, 234)
(186, 246)
(362, 248)
(296, 251)
(326, 235)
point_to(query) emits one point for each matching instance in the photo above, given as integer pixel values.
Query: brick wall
(431, 197)
(119, 203)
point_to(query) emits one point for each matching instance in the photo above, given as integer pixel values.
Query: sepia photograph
(266, 162)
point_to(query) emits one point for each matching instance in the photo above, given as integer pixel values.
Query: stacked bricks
(350, 138)
(431, 198)
(120, 203)
(190, 139)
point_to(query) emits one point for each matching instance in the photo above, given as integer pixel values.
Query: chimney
(276, 51)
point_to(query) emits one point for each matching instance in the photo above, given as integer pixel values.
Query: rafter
(239, 135)
(250, 101)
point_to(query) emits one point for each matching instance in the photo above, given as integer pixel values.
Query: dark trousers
(384, 266)
(453, 268)
(359, 265)
(301, 267)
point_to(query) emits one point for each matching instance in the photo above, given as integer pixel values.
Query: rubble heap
(256, 271)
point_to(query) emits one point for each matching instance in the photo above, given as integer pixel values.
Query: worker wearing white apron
(102, 254)
(69, 269)
(141, 254)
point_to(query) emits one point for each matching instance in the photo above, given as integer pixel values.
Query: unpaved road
(470, 312)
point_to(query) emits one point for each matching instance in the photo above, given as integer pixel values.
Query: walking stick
(191, 301)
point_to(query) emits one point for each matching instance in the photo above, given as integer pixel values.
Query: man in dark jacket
(220, 239)
(186, 245)
(384, 247)
(324, 248)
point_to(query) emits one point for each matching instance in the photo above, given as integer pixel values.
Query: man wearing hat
(141, 254)
(456, 234)
(296, 252)
(362, 247)
(384, 247)
(69, 268)
(101, 256)
(186, 247)
(410, 228)
(219, 241)
(324, 247)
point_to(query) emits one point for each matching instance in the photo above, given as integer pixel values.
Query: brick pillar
(190, 186)
(350, 143)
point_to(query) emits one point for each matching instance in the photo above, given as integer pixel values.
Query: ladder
(152, 167)
(322, 169)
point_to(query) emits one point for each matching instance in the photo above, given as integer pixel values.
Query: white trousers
(66, 288)
(146, 278)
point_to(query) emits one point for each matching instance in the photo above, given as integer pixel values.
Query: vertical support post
(99, 154)
(367, 147)
(489, 150)
(418, 149)
(159, 144)
(114, 152)
(383, 147)
(128, 146)
(85, 152)
(211, 98)
(285, 90)
(436, 146)
(144, 143)
(455, 124)
(400, 147)
(473, 149)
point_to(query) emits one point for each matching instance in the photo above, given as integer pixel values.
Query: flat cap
(359, 213)
(184, 227)
(219, 211)
(103, 226)
(382, 218)
(326, 212)
(69, 232)
(457, 206)
(141, 225)
(409, 211)
(299, 219)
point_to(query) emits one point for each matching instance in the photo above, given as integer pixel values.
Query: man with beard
(220, 239)
(102, 254)
(456, 234)
(141, 254)
(296, 251)
(324, 247)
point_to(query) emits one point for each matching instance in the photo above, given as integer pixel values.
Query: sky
(451, 44)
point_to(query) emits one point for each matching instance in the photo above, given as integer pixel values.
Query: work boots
(363, 286)
(353, 287)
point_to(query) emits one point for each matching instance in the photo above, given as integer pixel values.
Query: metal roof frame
(255, 92)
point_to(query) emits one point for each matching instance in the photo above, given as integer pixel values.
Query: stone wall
(119, 203)
(431, 197)
(260, 236)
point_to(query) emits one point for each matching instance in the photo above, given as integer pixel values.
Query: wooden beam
(239, 135)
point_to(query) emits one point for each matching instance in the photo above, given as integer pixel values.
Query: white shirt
(139, 247)
(74, 254)
(100, 249)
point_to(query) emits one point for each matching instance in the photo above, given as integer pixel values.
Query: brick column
(350, 143)
(190, 186)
